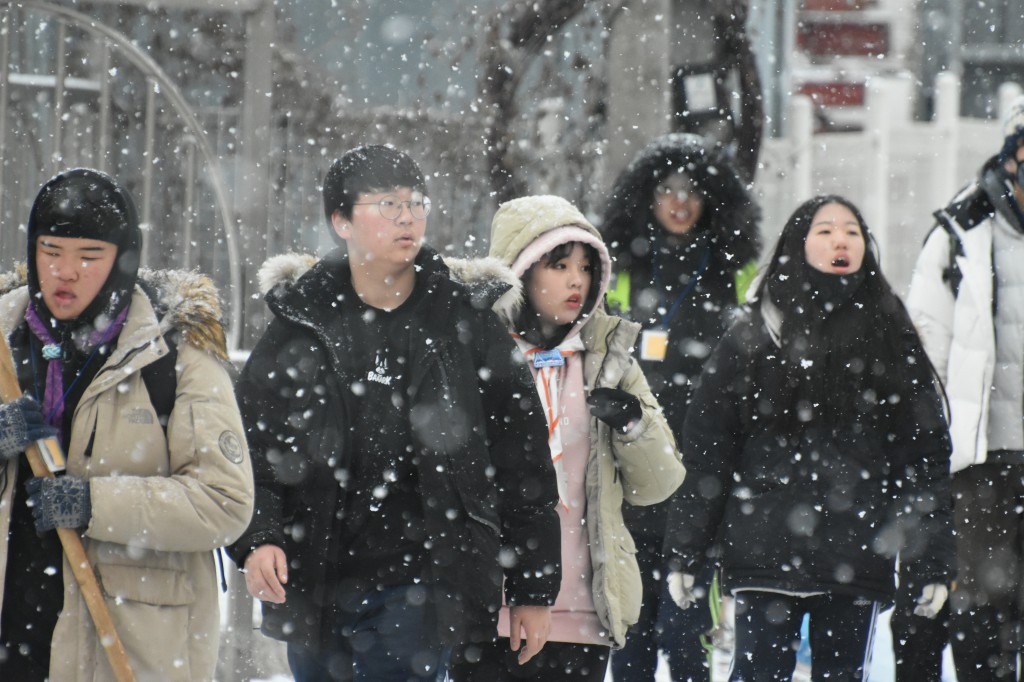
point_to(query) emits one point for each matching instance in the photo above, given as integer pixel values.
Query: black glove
(61, 502)
(615, 407)
(21, 423)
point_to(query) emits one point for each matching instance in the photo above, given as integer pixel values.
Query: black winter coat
(483, 463)
(825, 509)
(728, 237)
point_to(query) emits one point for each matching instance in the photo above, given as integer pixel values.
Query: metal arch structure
(170, 90)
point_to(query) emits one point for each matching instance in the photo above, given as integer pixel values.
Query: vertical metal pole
(6, 28)
(147, 169)
(801, 131)
(786, 41)
(947, 128)
(954, 24)
(105, 108)
(252, 177)
(879, 132)
(190, 204)
(60, 74)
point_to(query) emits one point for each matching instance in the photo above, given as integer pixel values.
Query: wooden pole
(69, 539)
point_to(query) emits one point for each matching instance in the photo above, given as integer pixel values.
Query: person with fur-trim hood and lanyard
(609, 441)
(152, 485)
(682, 227)
(403, 476)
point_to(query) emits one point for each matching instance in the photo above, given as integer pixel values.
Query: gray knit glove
(21, 423)
(61, 502)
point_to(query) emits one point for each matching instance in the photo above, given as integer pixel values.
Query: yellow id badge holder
(653, 344)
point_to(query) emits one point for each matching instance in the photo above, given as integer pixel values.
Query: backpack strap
(969, 209)
(161, 380)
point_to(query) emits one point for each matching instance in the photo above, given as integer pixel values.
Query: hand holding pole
(74, 550)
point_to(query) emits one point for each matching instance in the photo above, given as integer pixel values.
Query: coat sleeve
(206, 500)
(524, 475)
(930, 300)
(646, 455)
(276, 395)
(920, 459)
(711, 445)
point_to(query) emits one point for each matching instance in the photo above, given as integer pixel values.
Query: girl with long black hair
(817, 451)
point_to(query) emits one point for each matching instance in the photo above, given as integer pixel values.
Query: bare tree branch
(529, 24)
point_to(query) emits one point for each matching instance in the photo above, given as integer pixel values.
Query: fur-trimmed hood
(730, 214)
(488, 280)
(185, 302)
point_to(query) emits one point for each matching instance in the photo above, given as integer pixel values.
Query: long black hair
(843, 364)
(729, 213)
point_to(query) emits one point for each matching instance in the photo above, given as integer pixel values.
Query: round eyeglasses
(390, 207)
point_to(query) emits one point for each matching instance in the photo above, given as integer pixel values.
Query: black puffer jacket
(483, 463)
(823, 509)
(724, 254)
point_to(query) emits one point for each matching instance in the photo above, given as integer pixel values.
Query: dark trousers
(663, 625)
(383, 636)
(556, 662)
(768, 636)
(988, 601)
(917, 642)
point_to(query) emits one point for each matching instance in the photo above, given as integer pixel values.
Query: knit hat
(87, 204)
(1013, 129)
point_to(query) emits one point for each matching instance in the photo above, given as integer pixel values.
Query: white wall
(897, 171)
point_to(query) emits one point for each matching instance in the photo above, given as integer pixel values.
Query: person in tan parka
(609, 441)
(152, 500)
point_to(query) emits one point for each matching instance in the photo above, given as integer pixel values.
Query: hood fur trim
(489, 274)
(485, 277)
(188, 302)
(9, 281)
(287, 268)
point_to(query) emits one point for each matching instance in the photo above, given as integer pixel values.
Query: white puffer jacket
(958, 330)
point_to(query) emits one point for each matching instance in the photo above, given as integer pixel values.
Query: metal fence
(76, 92)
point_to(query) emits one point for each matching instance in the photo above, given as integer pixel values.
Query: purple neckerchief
(53, 398)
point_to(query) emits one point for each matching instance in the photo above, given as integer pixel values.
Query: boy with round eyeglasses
(397, 449)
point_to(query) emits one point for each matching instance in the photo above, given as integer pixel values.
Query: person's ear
(340, 224)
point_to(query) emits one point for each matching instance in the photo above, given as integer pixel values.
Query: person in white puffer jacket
(967, 300)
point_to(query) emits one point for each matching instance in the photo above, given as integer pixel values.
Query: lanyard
(667, 317)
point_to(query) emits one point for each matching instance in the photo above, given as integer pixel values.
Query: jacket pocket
(151, 609)
(156, 586)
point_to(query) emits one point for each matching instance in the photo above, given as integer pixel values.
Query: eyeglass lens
(391, 207)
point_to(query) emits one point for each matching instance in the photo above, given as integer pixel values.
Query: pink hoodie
(573, 617)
